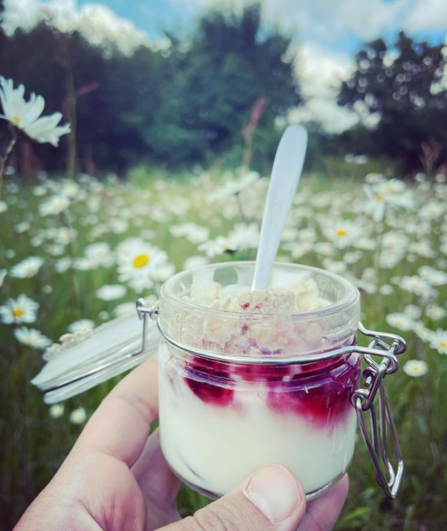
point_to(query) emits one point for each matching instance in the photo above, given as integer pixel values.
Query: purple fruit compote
(253, 402)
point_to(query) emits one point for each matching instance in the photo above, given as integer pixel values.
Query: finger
(121, 425)
(323, 512)
(151, 470)
(271, 500)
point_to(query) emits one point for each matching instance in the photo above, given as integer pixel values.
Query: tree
(398, 84)
(230, 63)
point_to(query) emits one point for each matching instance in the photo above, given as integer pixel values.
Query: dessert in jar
(233, 394)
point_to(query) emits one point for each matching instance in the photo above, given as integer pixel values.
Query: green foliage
(412, 113)
(185, 105)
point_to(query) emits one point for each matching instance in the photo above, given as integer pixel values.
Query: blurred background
(153, 78)
(176, 109)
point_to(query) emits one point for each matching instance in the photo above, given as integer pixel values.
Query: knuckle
(223, 519)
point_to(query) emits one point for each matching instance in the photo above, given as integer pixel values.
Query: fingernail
(274, 491)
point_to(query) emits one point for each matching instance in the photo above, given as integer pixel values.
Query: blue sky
(152, 16)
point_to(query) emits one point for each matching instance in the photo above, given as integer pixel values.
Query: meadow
(66, 254)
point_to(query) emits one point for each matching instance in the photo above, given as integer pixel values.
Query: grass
(33, 445)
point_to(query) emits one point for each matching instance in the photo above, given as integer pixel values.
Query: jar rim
(350, 297)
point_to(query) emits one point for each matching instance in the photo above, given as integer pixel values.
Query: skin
(116, 478)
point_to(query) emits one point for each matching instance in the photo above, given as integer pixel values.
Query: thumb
(272, 499)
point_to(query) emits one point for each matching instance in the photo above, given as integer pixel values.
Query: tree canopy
(185, 104)
(400, 85)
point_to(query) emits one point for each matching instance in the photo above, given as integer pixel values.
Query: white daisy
(415, 368)
(26, 116)
(244, 236)
(138, 262)
(438, 340)
(32, 338)
(27, 268)
(195, 261)
(54, 205)
(3, 207)
(100, 254)
(343, 233)
(78, 416)
(436, 312)
(413, 311)
(400, 321)
(21, 310)
(216, 247)
(56, 411)
(83, 325)
(110, 292)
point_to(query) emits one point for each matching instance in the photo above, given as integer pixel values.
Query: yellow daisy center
(443, 344)
(18, 312)
(16, 119)
(140, 261)
(341, 232)
(380, 197)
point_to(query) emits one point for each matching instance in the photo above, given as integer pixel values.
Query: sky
(327, 32)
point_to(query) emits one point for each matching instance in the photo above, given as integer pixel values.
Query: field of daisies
(75, 253)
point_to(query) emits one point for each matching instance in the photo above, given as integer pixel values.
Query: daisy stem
(5, 157)
(76, 292)
(241, 210)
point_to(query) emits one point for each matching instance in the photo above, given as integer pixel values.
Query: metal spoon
(286, 174)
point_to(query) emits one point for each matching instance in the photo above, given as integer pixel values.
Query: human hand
(116, 478)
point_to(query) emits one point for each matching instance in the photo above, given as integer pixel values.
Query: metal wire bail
(388, 477)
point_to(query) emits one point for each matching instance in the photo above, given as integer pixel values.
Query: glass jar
(234, 394)
(240, 389)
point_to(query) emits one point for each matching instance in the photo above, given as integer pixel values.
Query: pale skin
(116, 478)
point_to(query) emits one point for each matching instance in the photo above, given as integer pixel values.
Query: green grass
(33, 445)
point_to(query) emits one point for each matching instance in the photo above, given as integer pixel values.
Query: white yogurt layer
(216, 447)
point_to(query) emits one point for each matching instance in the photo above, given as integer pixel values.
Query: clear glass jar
(233, 394)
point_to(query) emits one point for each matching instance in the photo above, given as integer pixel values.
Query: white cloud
(99, 24)
(328, 21)
(426, 15)
(320, 73)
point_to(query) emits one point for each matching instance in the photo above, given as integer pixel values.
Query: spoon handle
(286, 173)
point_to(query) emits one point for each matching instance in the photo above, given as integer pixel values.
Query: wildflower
(191, 231)
(26, 116)
(342, 233)
(63, 264)
(195, 261)
(3, 207)
(216, 247)
(400, 321)
(413, 311)
(54, 205)
(78, 416)
(417, 285)
(415, 368)
(28, 268)
(32, 338)
(56, 411)
(22, 227)
(244, 236)
(100, 254)
(111, 292)
(137, 263)
(83, 325)
(386, 289)
(21, 310)
(435, 312)
(124, 309)
(438, 340)
(433, 276)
